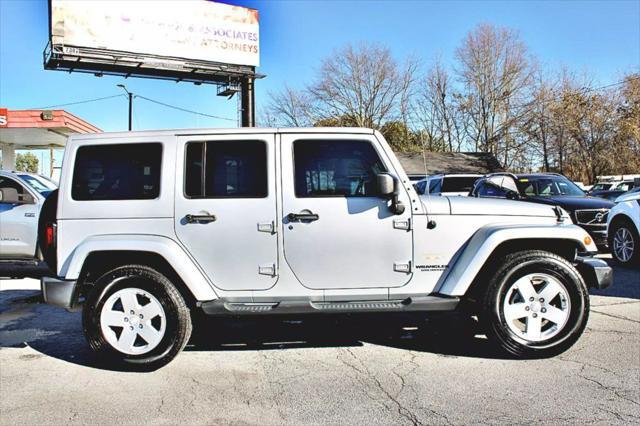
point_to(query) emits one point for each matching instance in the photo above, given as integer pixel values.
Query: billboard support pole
(130, 110)
(247, 104)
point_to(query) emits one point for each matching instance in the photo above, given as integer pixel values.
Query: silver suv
(149, 227)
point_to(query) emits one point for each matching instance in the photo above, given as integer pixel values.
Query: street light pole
(130, 95)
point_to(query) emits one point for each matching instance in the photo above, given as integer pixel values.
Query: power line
(618, 83)
(184, 109)
(582, 90)
(141, 97)
(79, 102)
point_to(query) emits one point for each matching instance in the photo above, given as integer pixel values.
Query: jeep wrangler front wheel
(135, 316)
(536, 305)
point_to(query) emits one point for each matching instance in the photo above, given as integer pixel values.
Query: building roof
(29, 129)
(448, 162)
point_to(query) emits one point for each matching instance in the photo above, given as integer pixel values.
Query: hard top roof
(228, 131)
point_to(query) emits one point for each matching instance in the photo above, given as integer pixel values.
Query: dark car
(553, 189)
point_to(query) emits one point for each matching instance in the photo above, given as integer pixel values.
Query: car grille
(592, 217)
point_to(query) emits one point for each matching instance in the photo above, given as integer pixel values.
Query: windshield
(548, 186)
(601, 186)
(43, 186)
(623, 186)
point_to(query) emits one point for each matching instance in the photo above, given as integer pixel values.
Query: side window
(435, 186)
(117, 172)
(335, 168)
(487, 189)
(226, 169)
(10, 183)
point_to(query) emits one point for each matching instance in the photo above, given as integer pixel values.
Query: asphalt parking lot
(362, 371)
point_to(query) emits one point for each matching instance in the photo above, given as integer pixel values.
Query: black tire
(619, 224)
(178, 320)
(516, 266)
(47, 216)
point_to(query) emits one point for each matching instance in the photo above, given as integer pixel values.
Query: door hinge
(267, 227)
(267, 270)
(402, 224)
(402, 267)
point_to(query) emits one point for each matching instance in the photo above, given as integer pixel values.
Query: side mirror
(389, 187)
(11, 196)
(385, 184)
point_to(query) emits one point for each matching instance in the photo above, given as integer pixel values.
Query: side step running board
(413, 304)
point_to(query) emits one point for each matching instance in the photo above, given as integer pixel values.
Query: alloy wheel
(536, 307)
(133, 321)
(623, 244)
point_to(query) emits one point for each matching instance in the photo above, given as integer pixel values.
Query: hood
(628, 196)
(574, 203)
(498, 207)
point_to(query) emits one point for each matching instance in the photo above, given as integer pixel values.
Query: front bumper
(596, 272)
(59, 292)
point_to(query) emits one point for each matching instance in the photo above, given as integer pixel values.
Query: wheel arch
(99, 254)
(619, 218)
(490, 244)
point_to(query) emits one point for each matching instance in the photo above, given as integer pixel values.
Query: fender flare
(482, 244)
(173, 253)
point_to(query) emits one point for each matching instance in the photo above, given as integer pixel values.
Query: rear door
(347, 237)
(225, 209)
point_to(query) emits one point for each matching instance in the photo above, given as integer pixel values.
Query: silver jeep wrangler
(150, 227)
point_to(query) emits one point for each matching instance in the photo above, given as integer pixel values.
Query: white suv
(623, 227)
(150, 226)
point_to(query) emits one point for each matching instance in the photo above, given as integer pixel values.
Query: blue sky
(601, 38)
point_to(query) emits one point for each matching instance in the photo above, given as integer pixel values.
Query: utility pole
(51, 152)
(130, 95)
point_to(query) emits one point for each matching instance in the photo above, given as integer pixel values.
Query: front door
(337, 232)
(18, 223)
(226, 208)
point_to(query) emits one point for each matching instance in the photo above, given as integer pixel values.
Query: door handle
(302, 217)
(200, 218)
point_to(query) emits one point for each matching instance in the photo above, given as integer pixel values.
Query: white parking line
(23, 284)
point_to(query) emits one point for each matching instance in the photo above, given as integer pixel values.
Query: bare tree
(590, 120)
(495, 68)
(290, 108)
(501, 103)
(627, 141)
(537, 125)
(438, 108)
(365, 84)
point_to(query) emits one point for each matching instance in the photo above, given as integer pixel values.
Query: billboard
(197, 30)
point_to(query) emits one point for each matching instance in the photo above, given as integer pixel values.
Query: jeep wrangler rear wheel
(536, 305)
(135, 316)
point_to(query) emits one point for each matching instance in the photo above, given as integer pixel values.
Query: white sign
(200, 29)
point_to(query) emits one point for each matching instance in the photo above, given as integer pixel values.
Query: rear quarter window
(117, 172)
